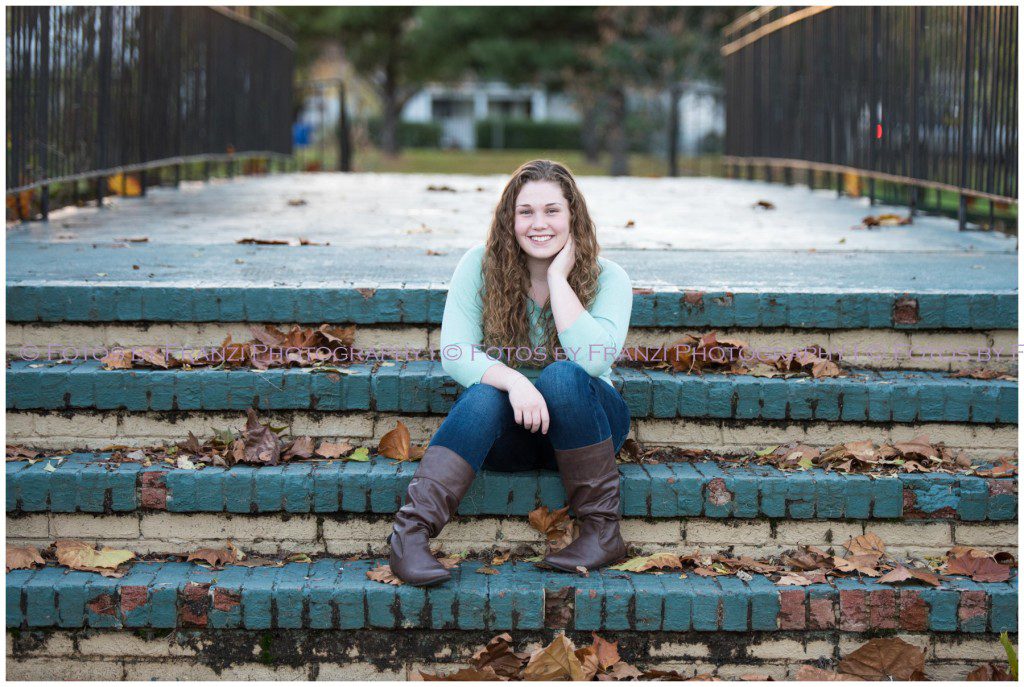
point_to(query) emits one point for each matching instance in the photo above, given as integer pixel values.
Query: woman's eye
(552, 211)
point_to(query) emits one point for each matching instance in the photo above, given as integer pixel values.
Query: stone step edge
(84, 483)
(424, 387)
(335, 593)
(40, 301)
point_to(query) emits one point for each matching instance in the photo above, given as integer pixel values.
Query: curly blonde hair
(506, 278)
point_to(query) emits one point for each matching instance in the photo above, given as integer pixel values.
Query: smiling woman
(535, 292)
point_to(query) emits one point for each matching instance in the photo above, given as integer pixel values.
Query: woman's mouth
(540, 240)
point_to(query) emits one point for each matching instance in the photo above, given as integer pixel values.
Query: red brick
(973, 604)
(1002, 486)
(225, 600)
(882, 610)
(822, 613)
(195, 605)
(853, 610)
(792, 611)
(104, 604)
(905, 311)
(154, 490)
(718, 495)
(913, 611)
(133, 596)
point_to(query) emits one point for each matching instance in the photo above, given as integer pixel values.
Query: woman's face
(542, 219)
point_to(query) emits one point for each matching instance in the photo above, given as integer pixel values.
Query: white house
(458, 106)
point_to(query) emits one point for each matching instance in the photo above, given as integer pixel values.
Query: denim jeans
(583, 410)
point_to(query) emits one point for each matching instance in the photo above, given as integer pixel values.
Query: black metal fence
(92, 91)
(920, 96)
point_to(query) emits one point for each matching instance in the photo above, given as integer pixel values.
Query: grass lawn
(433, 161)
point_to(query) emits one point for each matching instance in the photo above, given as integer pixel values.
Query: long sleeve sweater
(594, 340)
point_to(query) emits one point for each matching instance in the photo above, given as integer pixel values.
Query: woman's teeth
(540, 239)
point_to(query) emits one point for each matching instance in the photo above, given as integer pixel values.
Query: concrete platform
(691, 233)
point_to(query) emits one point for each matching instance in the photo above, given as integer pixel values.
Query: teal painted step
(333, 593)
(423, 387)
(423, 303)
(671, 490)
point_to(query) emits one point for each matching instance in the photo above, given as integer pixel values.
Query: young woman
(535, 293)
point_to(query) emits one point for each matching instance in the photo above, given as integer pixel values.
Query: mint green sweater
(594, 340)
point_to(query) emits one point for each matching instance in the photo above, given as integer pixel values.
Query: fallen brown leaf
(887, 658)
(23, 557)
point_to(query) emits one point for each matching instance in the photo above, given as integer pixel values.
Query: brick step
(335, 593)
(41, 300)
(87, 483)
(94, 430)
(942, 350)
(382, 654)
(423, 387)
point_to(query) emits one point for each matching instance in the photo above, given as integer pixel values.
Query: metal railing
(93, 91)
(924, 97)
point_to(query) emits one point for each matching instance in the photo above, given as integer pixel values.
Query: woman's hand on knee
(528, 405)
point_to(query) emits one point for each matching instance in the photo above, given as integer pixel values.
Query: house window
(447, 107)
(510, 108)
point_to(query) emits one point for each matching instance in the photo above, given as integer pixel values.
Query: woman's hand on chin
(528, 405)
(563, 262)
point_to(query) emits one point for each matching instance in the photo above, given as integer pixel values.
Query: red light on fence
(878, 131)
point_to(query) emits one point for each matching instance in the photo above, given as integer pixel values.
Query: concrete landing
(397, 210)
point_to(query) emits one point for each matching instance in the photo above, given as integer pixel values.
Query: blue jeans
(583, 410)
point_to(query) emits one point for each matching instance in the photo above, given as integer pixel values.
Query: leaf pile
(694, 354)
(559, 660)
(882, 659)
(270, 347)
(917, 455)
(983, 373)
(257, 444)
(865, 556)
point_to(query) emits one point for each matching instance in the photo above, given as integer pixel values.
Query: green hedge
(410, 134)
(518, 134)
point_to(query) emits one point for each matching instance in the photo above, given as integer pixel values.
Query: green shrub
(519, 134)
(410, 134)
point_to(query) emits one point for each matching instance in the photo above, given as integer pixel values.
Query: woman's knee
(563, 382)
(482, 406)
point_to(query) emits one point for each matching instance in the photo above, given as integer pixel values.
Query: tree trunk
(618, 145)
(389, 127)
(591, 135)
(674, 94)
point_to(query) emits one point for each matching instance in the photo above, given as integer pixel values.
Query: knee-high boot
(440, 482)
(591, 481)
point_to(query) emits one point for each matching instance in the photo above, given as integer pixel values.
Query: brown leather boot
(591, 482)
(440, 482)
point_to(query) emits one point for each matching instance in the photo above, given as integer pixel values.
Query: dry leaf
(334, 450)
(23, 557)
(607, 652)
(815, 674)
(215, 557)
(866, 544)
(383, 574)
(888, 658)
(499, 657)
(396, 444)
(556, 661)
(978, 569)
(78, 555)
(903, 574)
(657, 561)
